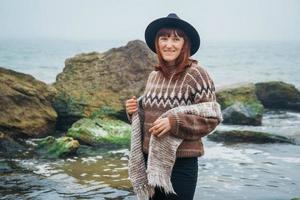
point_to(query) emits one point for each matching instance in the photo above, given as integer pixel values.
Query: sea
(228, 62)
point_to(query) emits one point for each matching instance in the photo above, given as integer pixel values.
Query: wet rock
(5, 167)
(277, 94)
(25, 105)
(51, 147)
(101, 132)
(93, 82)
(241, 114)
(238, 136)
(240, 105)
(9, 147)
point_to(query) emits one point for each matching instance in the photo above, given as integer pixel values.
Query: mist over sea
(228, 62)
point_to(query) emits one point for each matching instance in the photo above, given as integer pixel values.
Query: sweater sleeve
(191, 126)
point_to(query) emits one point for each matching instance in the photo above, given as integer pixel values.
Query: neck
(171, 69)
(170, 64)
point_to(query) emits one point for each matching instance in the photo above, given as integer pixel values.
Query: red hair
(183, 61)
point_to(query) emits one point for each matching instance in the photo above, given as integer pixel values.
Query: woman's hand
(160, 127)
(131, 105)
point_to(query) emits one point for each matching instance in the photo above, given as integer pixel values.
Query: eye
(163, 38)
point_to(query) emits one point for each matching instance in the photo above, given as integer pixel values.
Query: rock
(277, 94)
(94, 81)
(51, 147)
(237, 136)
(241, 114)
(5, 167)
(25, 105)
(9, 147)
(240, 105)
(101, 132)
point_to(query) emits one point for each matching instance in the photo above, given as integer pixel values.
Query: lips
(169, 52)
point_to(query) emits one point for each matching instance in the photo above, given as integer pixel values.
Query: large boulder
(94, 81)
(240, 105)
(277, 94)
(240, 136)
(25, 105)
(101, 132)
(241, 114)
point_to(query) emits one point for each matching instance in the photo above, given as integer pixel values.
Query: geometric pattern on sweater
(162, 152)
(194, 86)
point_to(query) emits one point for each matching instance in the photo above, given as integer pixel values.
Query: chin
(169, 59)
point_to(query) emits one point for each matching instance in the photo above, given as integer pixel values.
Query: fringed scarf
(162, 152)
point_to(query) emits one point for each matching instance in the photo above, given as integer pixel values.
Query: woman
(179, 108)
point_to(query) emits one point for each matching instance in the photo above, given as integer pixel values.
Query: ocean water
(227, 62)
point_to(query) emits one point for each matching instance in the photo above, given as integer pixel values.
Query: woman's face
(170, 47)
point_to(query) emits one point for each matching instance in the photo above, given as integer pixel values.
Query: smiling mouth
(169, 52)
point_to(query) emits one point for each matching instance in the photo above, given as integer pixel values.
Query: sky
(127, 19)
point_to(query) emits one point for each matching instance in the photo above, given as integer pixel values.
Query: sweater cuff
(174, 122)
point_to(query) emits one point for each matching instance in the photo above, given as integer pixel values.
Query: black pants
(184, 180)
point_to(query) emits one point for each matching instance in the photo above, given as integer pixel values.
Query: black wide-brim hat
(172, 21)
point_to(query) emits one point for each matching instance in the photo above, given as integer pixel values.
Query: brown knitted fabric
(190, 104)
(162, 151)
(162, 94)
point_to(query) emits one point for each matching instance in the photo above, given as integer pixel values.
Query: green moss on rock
(98, 80)
(57, 147)
(244, 93)
(101, 132)
(243, 114)
(243, 106)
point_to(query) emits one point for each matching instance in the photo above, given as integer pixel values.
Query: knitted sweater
(162, 94)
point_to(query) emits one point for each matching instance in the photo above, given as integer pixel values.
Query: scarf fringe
(144, 192)
(161, 180)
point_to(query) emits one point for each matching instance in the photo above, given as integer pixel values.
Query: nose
(169, 44)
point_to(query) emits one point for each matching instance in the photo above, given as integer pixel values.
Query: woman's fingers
(157, 128)
(155, 125)
(160, 127)
(128, 103)
(162, 133)
(131, 110)
(131, 105)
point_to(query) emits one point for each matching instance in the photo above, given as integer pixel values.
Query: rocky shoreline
(86, 104)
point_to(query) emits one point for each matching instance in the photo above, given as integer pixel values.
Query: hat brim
(156, 25)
